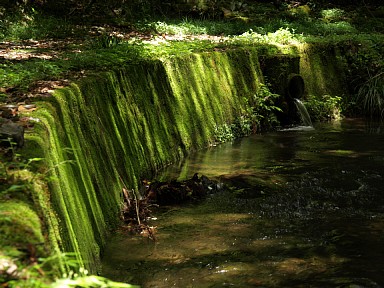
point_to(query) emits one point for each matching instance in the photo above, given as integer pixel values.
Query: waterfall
(303, 113)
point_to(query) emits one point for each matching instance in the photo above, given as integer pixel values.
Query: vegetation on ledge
(40, 50)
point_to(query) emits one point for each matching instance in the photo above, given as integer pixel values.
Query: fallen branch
(136, 212)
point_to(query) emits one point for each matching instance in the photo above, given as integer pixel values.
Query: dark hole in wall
(295, 87)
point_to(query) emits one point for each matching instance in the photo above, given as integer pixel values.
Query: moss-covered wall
(321, 65)
(118, 126)
(276, 70)
(322, 69)
(110, 129)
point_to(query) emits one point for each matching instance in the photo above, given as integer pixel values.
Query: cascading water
(305, 118)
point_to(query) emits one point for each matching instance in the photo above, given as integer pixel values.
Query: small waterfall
(305, 118)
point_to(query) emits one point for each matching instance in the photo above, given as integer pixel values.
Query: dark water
(305, 209)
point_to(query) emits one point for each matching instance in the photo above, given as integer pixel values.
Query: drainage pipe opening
(295, 88)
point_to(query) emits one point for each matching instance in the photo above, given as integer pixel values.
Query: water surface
(304, 209)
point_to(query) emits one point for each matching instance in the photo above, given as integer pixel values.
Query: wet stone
(11, 132)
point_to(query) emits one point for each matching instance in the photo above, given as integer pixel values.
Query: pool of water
(304, 208)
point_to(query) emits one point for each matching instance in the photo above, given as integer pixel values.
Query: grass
(371, 93)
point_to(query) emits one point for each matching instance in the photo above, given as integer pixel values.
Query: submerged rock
(176, 192)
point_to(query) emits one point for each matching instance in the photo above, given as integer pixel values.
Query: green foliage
(371, 95)
(281, 36)
(326, 108)
(91, 281)
(22, 74)
(106, 40)
(103, 53)
(242, 126)
(333, 15)
(259, 114)
(55, 19)
(264, 108)
(268, 30)
(364, 66)
(223, 133)
(31, 24)
(42, 274)
(193, 26)
(185, 27)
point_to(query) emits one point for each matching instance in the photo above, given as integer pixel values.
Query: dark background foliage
(145, 8)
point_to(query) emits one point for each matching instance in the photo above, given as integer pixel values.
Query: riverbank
(113, 109)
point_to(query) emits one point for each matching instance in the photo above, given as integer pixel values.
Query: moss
(322, 69)
(111, 129)
(20, 225)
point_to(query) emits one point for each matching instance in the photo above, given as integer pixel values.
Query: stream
(304, 208)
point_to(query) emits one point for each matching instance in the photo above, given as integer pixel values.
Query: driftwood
(135, 214)
(136, 210)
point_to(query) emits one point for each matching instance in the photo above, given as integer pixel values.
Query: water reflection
(306, 210)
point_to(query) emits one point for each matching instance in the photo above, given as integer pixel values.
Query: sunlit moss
(20, 225)
(322, 70)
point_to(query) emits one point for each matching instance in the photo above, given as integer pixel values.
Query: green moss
(19, 225)
(322, 69)
(109, 130)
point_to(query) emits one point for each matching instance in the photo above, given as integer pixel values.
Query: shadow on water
(305, 209)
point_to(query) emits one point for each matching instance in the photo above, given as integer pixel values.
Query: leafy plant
(282, 36)
(259, 113)
(325, 108)
(185, 27)
(107, 41)
(332, 15)
(371, 95)
(264, 108)
(223, 133)
(40, 273)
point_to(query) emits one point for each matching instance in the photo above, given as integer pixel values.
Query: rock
(8, 111)
(13, 131)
